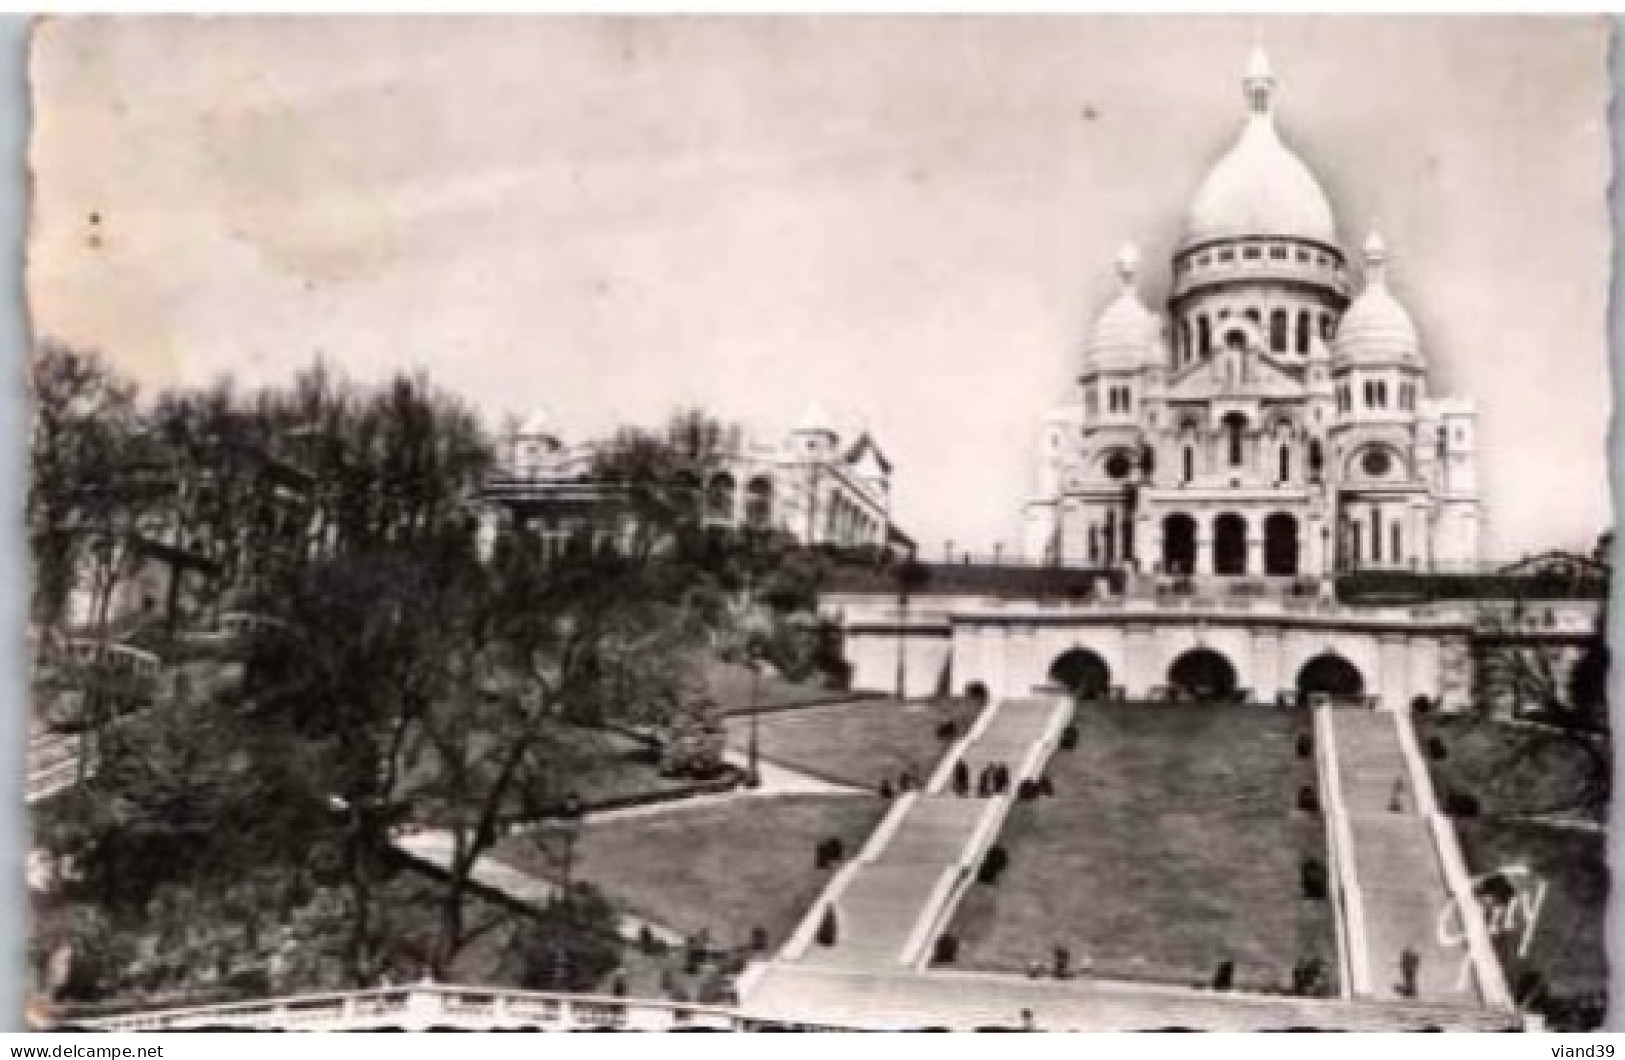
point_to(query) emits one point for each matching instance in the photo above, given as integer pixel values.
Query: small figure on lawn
(961, 779)
(1410, 964)
(886, 792)
(1045, 788)
(1396, 801)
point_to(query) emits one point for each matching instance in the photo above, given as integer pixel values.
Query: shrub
(1306, 744)
(1460, 804)
(1436, 749)
(1309, 978)
(993, 865)
(758, 939)
(828, 852)
(1313, 876)
(946, 950)
(1421, 705)
(1069, 738)
(1061, 962)
(1308, 801)
(827, 930)
(886, 792)
(946, 731)
(1224, 977)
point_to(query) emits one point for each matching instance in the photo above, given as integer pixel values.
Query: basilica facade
(1275, 419)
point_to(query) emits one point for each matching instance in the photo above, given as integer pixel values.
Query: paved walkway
(888, 904)
(435, 848)
(1407, 900)
(965, 1001)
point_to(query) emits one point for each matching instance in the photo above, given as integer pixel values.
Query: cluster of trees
(401, 667)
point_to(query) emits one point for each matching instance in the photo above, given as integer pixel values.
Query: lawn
(1172, 844)
(1510, 769)
(1567, 943)
(602, 767)
(1519, 771)
(857, 743)
(734, 687)
(722, 869)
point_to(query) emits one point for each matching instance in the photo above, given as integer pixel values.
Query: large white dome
(1260, 188)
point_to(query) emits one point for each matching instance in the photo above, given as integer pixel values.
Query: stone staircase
(1407, 901)
(906, 880)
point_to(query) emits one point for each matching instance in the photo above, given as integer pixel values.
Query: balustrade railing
(425, 1005)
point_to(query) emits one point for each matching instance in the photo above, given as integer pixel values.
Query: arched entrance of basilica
(1204, 675)
(1332, 675)
(1281, 545)
(1179, 544)
(1229, 544)
(1081, 672)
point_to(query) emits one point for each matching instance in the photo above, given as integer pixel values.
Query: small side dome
(539, 424)
(1126, 334)
(1376, 328)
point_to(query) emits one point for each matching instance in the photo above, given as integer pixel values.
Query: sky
(911, 222)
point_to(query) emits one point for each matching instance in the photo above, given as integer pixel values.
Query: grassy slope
(1171, 844)
(724, 868)
(857, 743)
(1513, 771)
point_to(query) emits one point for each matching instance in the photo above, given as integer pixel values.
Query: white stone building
(815, 483)
(1275, 419)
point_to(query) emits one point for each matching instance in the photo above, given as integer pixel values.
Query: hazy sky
(910, 221)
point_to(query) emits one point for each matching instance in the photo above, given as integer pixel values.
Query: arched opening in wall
(1317, 459)
(1229, 544)
(759, 502)
(1178, 544)
(1332, 675)
(1081, 672)
(1204, 331)
(719, 499)
(1204, 675)
(1303, 331)
(1278, 330)
(1235, 430)
(1281, 545)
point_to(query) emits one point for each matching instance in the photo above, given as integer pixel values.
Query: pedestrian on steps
(1410, 964)
(961, 779)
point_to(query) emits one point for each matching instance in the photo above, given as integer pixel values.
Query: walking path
(889, 903)
(1406, 897)
(961, 1001)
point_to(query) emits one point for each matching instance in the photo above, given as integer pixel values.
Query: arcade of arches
(1271, 547)
(1203, 674)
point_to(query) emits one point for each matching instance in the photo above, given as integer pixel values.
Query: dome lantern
(1259, 84)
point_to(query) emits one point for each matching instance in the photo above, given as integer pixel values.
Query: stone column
(1255, 551)
(1266, 669)
(1393, 671)
(1139, 662)
(1204, 548)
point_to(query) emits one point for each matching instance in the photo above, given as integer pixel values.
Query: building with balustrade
(815, 484)
(1275, 418)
